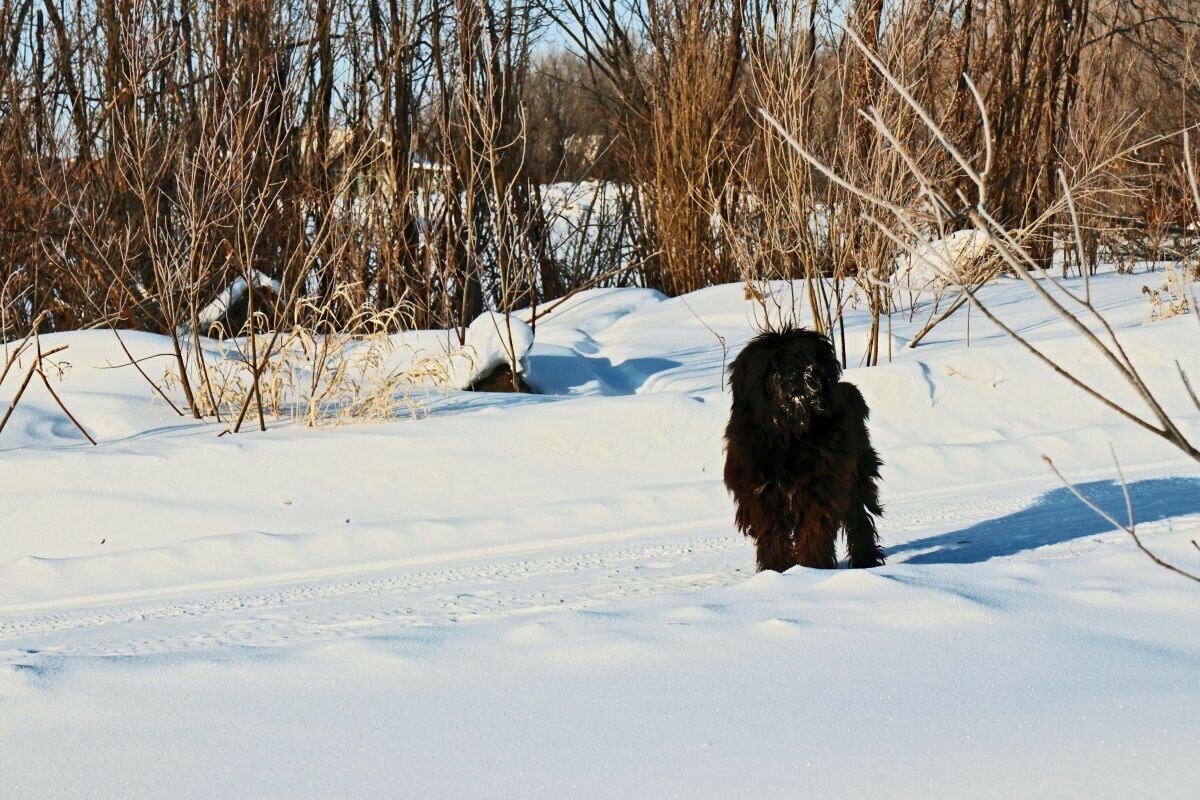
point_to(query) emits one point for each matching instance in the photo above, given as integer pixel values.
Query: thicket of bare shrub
(153, 151)
(913, 228)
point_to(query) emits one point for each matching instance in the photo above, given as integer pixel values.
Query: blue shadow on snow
(1055, 517)
(559, 374)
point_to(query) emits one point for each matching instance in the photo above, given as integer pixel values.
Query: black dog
(799, 461)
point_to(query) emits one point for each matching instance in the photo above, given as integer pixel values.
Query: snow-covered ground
(543, 596)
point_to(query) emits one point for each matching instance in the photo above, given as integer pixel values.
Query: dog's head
(785, 379)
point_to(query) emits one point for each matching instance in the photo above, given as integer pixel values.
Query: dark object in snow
(226, 315)
(500, 379)
(798, 458)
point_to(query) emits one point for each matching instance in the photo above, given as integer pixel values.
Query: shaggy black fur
(798, 459)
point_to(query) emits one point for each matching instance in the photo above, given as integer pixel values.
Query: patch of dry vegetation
(151, 153)
(325, 369)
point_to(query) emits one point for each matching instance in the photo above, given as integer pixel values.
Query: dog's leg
(862, 540)
(774, 551)
(762, 514)
(771, 532)
(815, 544)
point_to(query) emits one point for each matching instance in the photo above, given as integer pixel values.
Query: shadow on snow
(558, 374)
(1055, 517)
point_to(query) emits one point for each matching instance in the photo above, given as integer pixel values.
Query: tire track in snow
(374, 602)
(431, 597)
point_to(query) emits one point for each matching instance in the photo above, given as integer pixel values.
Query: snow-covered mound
(493, 340)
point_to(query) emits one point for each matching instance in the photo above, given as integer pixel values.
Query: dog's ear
(749, 378)
(819, 351)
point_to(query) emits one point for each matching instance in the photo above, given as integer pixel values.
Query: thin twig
(256, 370)
(987, 126)
(954, 306)
(1083, 270)
(983, 309)
(1187, 384)
(1169, 431)
(720, 339)
(62, 405)
(13, 357)
(1191, 170)
(932, 126)
(133, 362)
(597, 280)
(34, 367)
(17, 397)
(16, 353)
(828, 172)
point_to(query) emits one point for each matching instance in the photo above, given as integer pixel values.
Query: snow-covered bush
(933, 265)
(328, 368)
(493, 341)
(1170, 299)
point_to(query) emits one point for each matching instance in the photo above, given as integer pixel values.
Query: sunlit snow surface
(543, 596)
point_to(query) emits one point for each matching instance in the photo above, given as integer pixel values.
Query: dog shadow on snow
(1055, 517)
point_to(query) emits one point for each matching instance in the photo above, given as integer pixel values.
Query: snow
(543, 596)
(931, 263)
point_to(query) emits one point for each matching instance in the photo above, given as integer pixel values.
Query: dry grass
(326, 369)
